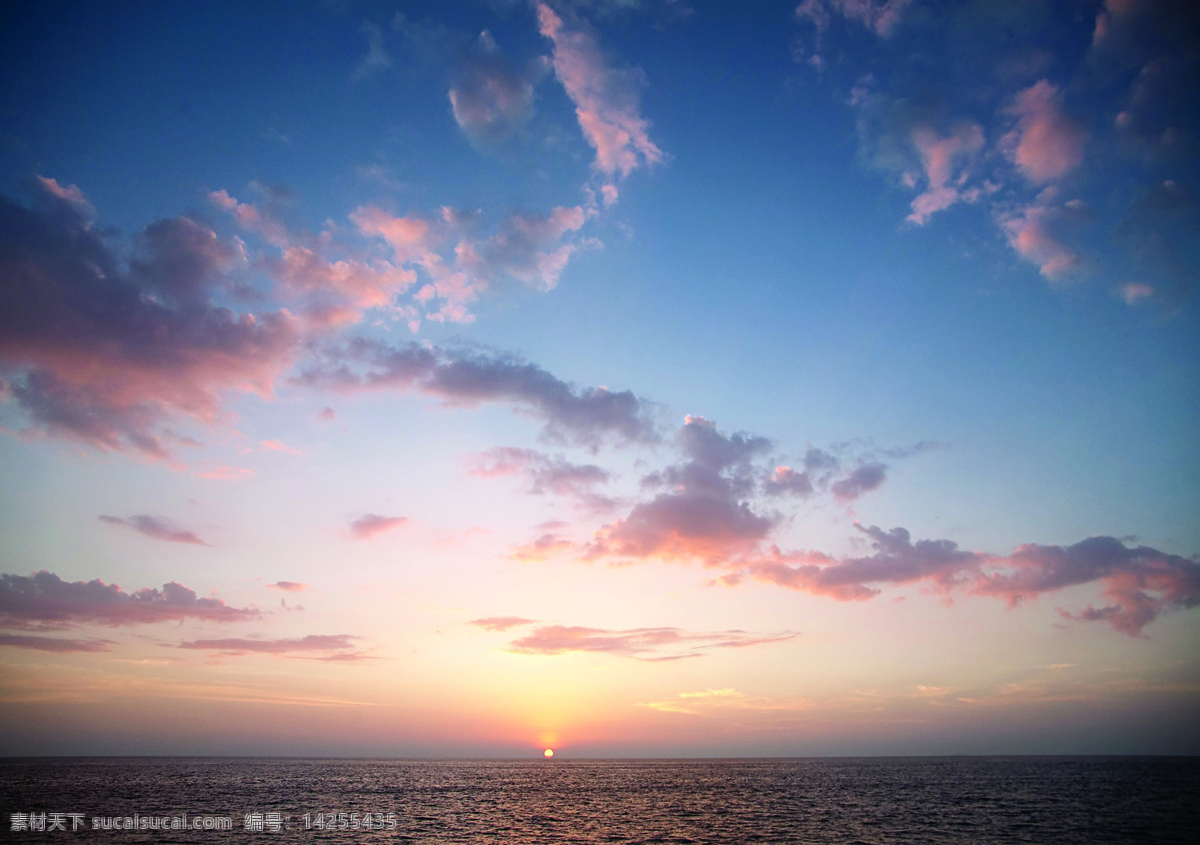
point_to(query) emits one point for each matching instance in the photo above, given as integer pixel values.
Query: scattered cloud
(157, 527)
(43, 600)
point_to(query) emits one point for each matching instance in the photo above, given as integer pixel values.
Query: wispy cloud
(649, 644)
(156, 527)
(468, 377)
(377, 57)
(605, 98)
(492, 103)
(57, 645)
(315, 646)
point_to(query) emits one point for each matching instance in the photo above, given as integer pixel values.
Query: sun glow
(548, 753)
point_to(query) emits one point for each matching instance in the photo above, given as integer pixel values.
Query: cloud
(107, 351)
(501, 623)
(376, 58)
(862, 480)
(650, 644)
(337, 646)
(605, 98)
(940, 156)
(546, 474)
(372, 524)
(543, 547)
(706, 509)
(1046, 144)
(469, 377)
(1139, 583)
(1034, 234)
(492, 103)
(288, 586)
(1136, 292)
(784, 479)
(702, 514)
(880, 18)
(57, 645)
(157, 527)
(45, 600)
(530, 248)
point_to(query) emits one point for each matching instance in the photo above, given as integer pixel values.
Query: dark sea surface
(1050, 800)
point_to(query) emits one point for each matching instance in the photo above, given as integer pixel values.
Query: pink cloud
(650, 644)
(45, 600)
(288, 586)
(1045, 144)
(542, 548)
(373, 524)
(107, 351)
(1033, 236)
(940, 156)
(605, 98)
(157, 527)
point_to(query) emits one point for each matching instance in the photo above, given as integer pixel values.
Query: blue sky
(533, 348)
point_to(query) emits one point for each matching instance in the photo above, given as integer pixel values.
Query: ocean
(840, 801)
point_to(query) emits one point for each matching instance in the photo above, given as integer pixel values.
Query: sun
(548, 753)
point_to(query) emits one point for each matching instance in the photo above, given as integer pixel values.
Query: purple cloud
(106, 351)
(1139, 583)
(157, 527)
(366, 527)
(288, 586)
(45, 600)
(242, 645)
(57, 645)
(467, 377)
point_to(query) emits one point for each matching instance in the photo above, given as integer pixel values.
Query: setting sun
(549, 752)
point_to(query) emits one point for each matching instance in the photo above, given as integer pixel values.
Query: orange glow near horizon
(549, 752)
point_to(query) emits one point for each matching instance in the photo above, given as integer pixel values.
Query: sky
(637, 378)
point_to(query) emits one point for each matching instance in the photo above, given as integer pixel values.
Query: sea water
(219, 801)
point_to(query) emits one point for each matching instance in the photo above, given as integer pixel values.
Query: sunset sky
(627, 377)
